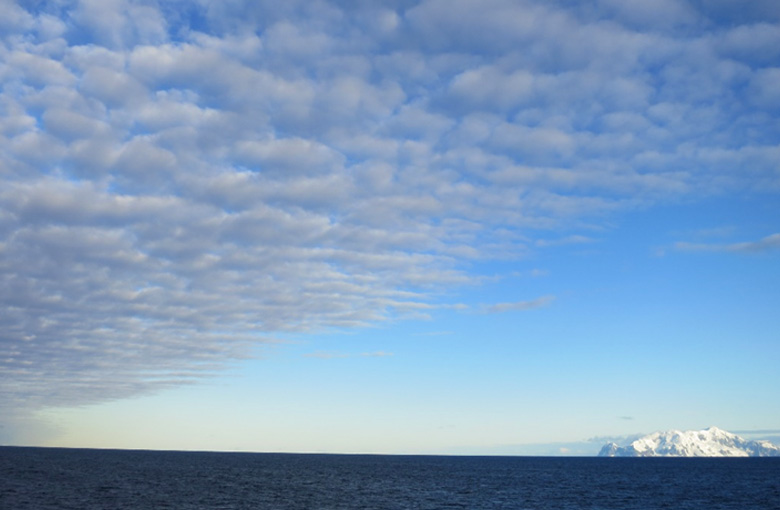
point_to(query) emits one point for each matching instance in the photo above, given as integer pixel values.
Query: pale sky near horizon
(436, 226)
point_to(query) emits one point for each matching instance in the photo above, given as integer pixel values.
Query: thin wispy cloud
(620, 440)
(326, 355)
(573, 239)
(341, 355)
(519, 305)
(768, 243)
(377, 354)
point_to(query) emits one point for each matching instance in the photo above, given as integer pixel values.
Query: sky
(439, 226)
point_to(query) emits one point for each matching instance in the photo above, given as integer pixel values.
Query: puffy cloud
(13, 18)
(651, 14)
(36, 70)
(497, 25)
(289, 156)
(113, 88)
(758, 43)
(764, 87)
(120, 23)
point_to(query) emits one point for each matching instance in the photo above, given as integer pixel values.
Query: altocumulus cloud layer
(182, 180)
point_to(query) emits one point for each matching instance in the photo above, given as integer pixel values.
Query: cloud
(338, 355)
(650, 14)
(180, 184)
(520, 305)
(619, 440)
(766, 244)
(377, 354)
(436, 333)
(573, 239)
(119, 23)
(757, 431)
(326, 355)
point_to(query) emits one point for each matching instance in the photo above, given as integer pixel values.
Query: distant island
(710, 442)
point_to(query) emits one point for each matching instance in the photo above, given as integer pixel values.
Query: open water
(50, 478)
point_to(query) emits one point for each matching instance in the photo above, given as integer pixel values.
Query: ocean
(80, 479)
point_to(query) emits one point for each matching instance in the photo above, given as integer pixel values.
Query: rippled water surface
(43, 478)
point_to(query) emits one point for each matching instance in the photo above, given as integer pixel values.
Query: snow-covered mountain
(711, 442)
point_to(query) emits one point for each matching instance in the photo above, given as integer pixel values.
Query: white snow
(709, 442)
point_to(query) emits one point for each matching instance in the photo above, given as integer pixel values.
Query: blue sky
(502, 227)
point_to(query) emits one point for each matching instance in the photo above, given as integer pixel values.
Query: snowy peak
(710, 442)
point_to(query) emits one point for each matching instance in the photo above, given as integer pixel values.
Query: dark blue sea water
(45, 478)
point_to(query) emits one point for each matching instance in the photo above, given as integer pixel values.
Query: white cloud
(757, 42)
(113, 88)
(494, 25)
(326, 355)
(37, 70)
(520, 305)
(573, 239)
(652, 14)
(341, 355)
(14, 18)
(768, 243)
(68, 125)
(286, 40)
(377, 354)
(490, 88)
(36, 148)
(120, 23)
(294, 156)
(765, 88)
